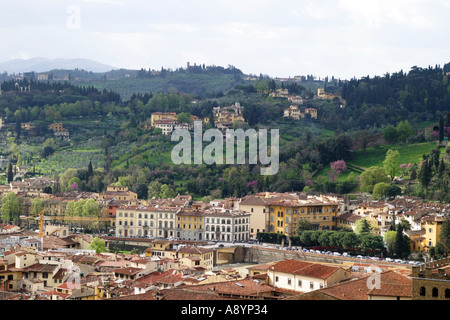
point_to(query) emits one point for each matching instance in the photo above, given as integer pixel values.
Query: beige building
(301, 276)
(258, 208)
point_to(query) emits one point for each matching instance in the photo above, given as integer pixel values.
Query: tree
(324, 238)
(65, 178)
(440, 249)
(379, 190)
(413, 173)
(390, 134)
(370, 242)
(441, 129)
(98, 245)
(10, 174)
(349, 240)
(302, 225)
(184, 117)
(392, 191)
(336, 148)
(339, 166)
(19, 161)
(404, 224)
(362, 226)
(425, 174)
(391, 162)
(404, 130)
(141, 190)
(167, 192)
(305, 238)
(90, 208)
(432, 252)
(154, 190)
(36, 206)
(90, 171)
(363, 139)
(398, 244)
(10, 209)
(389, 240)
(370, 177)
(444, 236)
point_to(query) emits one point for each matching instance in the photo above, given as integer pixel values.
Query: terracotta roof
(128, 271)
(349, 217)
(241, 287)
(253, 201)
(41, 268)
(314, 270)
(391, 284)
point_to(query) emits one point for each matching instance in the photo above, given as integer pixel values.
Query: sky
(285, 38)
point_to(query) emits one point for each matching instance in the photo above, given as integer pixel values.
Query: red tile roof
(314, 270)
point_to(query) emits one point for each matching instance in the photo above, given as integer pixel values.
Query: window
(276, 279)
(289, 281)
(311, 285)
(300, 283)
(447, 293)
(435, 292)
(422, 291)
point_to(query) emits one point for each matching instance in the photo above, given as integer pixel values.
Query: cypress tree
(414, 174)
(90, 170)
(441, 170)
(425, 174)
(398, 245)
(10, 173)
(441, 129)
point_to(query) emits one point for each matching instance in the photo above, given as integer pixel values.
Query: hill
(45, 65)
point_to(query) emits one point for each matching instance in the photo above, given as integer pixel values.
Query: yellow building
(321, 94)
(312, 112)
(190, 224)
(10, 276)
(118, 193)
(156, 116)
(284, 215)
(57, 127)
(432, 225)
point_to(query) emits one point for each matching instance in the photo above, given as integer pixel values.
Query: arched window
(447, 293)
(422, 291)
(435, 292)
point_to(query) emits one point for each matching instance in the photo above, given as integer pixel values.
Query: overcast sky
(341, 38)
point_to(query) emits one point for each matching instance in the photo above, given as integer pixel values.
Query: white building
(302, 276)
(227, 225)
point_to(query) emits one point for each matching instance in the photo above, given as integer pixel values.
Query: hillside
(45, 65)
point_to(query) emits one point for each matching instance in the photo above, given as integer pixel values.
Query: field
(375, 156)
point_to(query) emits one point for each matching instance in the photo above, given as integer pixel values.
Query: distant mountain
(44, 65)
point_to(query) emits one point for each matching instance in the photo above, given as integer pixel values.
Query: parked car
(389, 260)
(398, 261)
(337, 254)
(345, 254)
(318, 251)
(359, 257)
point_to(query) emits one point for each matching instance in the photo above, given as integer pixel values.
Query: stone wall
(265, 255)
(430, 282)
